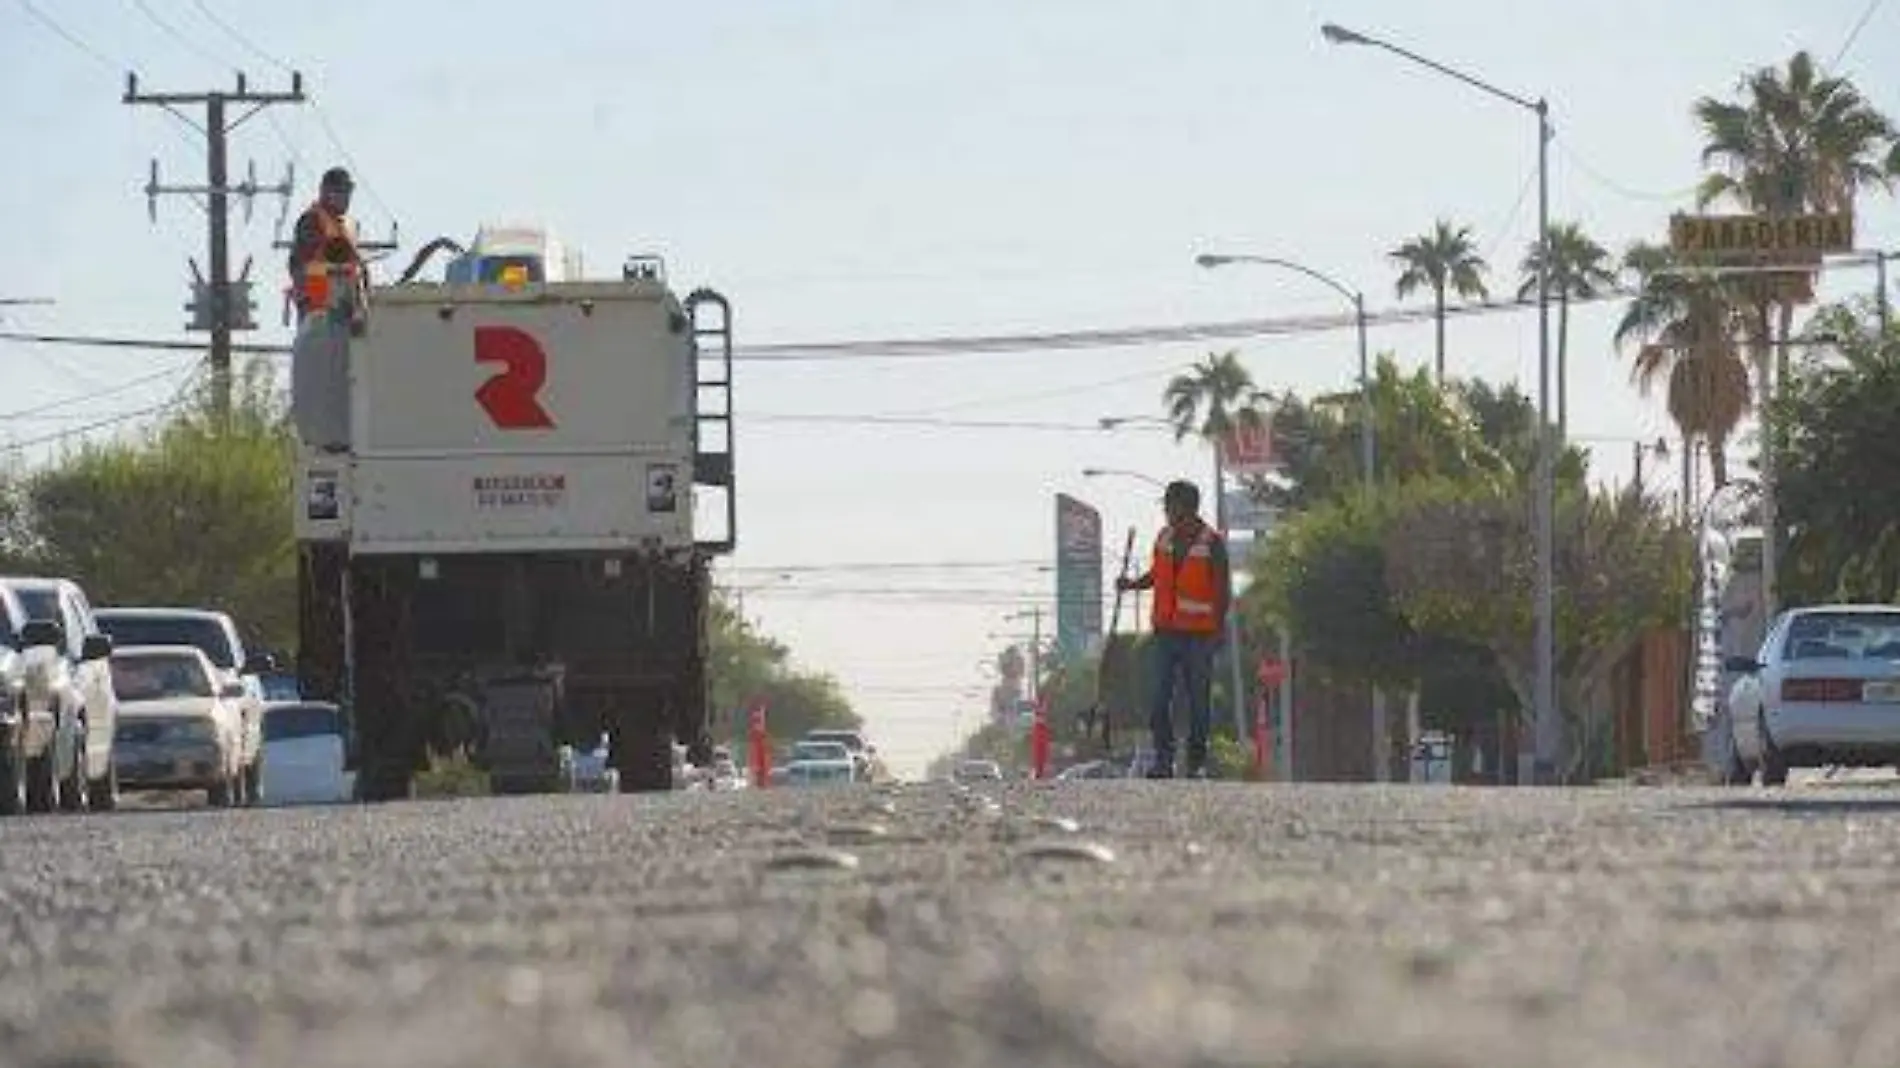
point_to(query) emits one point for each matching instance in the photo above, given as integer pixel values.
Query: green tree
(1578, 269)
(192, 514)
(1459, 565)
(1835, 436)
(748, 668)
(1216, 397)
(1443, 260)
(1794, 140)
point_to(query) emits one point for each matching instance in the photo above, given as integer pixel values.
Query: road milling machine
(505, 485)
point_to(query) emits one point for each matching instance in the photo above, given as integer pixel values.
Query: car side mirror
(1746, 665)
(231, 689)
(39, 632)
(96, 647)
(260, 664)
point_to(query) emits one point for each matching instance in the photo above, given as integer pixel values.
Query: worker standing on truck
(324, 247)
(1193, 592)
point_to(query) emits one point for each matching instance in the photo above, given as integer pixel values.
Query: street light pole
(1548, 731)
(1358, 301)
(1380, 765)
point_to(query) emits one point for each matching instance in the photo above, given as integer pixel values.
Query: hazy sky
(856, 170)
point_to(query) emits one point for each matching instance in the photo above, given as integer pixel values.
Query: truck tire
(12, 782)
(384, 716)
(691, 700)
(42, 783)
(72, 789)
(644, 746)
(104, 791)
(321, 568)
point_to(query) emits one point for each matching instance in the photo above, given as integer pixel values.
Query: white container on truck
(501, 545)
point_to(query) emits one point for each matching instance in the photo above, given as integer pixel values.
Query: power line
(178, 400)
(973, 345)
(316, 106)
(849, 419)
(1853, 35)
(70, 38)
(123, 387)
(1604, 180)
(172, 32)
(242, 41)
(894, 565)
(1041, 394)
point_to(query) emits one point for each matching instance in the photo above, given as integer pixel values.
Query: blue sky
(847, 170)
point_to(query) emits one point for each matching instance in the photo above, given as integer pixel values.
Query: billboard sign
(1078, 577)
(1247, 448)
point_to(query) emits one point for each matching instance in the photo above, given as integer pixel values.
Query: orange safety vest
(1184, 596)
(317, 270)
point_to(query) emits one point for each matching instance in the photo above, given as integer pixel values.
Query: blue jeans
(1189, 657)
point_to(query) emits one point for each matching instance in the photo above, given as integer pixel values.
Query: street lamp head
(1093, 472)
(1208, 259)
(1336, 34)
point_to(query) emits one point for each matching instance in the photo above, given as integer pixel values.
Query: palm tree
(1690, 330)
(1213, 398)
(1579, 269)
(1444, 260)
(1797, 140)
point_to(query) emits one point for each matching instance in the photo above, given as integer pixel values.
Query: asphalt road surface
(1150, 924)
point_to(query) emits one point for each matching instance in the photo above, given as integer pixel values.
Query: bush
(451, 776)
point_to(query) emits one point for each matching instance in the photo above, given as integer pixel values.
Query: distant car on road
(821, 763)
(979, 771)
(304, 747)
(863, 753)
(1823, 690)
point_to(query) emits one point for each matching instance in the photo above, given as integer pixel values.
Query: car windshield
(40, 603)
(301, 721)
(208, 635)
(159, 677)
(1843, 636)
(820, 751)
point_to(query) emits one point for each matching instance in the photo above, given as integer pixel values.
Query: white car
(1824, 690)
(63, 742)
(216, 634)
(304, 749)
(979, 771)
(181, 726)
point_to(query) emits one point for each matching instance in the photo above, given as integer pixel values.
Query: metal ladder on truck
(710, 315)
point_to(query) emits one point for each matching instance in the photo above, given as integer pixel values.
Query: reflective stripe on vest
(1184, 596)
(317, 270)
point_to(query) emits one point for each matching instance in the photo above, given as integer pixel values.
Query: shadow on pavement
(1804, 806)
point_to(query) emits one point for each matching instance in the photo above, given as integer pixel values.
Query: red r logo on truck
(512, 397)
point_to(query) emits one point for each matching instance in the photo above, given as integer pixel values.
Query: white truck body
(593, 451)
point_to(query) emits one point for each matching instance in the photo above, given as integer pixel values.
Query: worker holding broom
(1193, 592)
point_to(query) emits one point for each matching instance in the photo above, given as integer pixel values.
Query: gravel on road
(1124, 923)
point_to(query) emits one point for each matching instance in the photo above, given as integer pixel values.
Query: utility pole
(219, 304)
